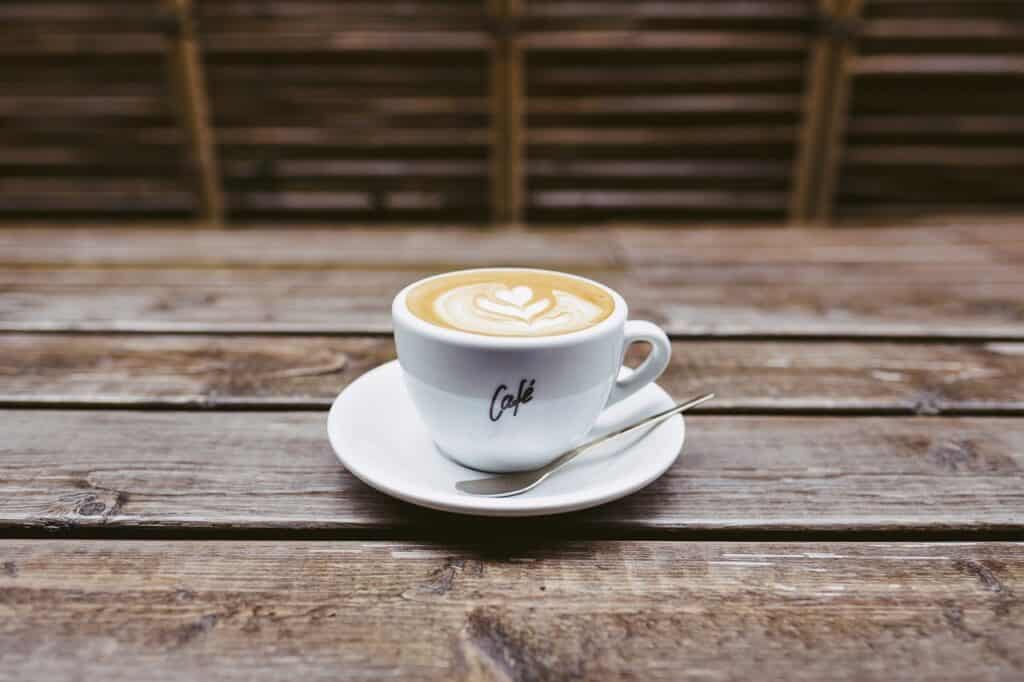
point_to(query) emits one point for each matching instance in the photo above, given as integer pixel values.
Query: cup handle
(630, 381)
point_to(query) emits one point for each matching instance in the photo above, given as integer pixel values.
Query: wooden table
(851, 507)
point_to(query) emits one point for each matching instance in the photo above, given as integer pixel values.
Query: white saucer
(378, 436)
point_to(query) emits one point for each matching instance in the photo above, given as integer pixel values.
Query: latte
(507, 302)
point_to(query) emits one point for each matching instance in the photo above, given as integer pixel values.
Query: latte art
(496, 310)
(511, 303)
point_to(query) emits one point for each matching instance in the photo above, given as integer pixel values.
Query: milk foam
(496, 309)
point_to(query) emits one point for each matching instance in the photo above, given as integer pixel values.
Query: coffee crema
(510, 303)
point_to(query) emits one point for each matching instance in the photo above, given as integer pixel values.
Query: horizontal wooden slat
(954, 145)
(59, 121)
(920, 28)
(290, 16)
(85, 111)
(76, 13)
(700, 299)
(627, 76)
(897, 155)
(400, 95)
(875, 210)
(316, 40)
(311, 247)
(719, 10)
(366, 611)
(365, 140)
(356, 169)
(851, 299)
(955, 281)
(957, 64)
(661, 104)
(695, 136)
(583, 200)
(698, 169)
(358, 202)
(376, 106)
(234, 470)
(908, 125)
(951, 239)
(310, 371)
(118, 204)
(81, 106)
(682, 82)
(344, 74)
(107, 44)
(666, 40)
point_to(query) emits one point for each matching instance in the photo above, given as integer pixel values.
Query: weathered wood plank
(692, 136)
(914, 300)
(954, 280)
(937, 239)
(963, 300)
(123, 471)
(720, 11)
(306, 247)
(604, 610)
(732, 201)
(690, 41)
(978, 239)
(319, 41)
(217, 371)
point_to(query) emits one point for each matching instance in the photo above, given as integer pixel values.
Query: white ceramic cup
(500, 403)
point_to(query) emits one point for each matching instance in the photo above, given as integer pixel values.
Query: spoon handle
(653, 419)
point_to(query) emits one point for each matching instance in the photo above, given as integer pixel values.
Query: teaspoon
(507, 485)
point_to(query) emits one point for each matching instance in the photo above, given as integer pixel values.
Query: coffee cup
(510, 367)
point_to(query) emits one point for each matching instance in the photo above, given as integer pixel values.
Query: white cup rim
(401, 314)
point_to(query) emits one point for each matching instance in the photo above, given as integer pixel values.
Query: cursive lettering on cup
(503, 400)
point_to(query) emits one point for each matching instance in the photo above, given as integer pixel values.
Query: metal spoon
(507, 485)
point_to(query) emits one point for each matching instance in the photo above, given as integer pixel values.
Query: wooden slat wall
(543, 110)
(86, 122)
(663, 110)
(936, 119)
(350, 109)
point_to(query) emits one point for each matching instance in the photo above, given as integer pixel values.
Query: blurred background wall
(546, 111)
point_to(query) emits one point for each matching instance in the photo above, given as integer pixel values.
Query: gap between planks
(303, 405)
(498, 532)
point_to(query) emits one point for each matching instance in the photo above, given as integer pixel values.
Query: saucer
(378, 436)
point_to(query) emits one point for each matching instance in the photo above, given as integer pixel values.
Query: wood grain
(180, 472)
(956, 279)
(979, 239)
(306, 247)
(81, 85)
(690, 41)
(962, 62)
(350, 83)
(519, 611)
(309, 371)
(650, 84)
(926, 299)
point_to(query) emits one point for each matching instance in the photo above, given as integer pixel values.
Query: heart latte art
(510, 303)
